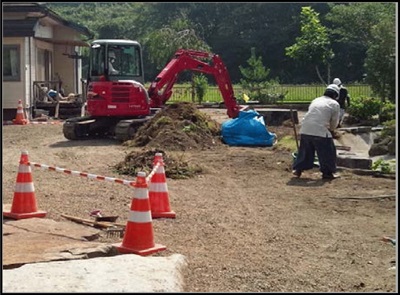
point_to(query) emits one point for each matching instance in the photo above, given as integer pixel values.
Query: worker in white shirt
(111, 60)
(317, 128)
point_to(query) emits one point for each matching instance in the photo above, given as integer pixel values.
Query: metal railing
(293, 93)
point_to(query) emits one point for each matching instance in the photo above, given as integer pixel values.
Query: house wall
(40, 47)
(65, 66)
(12, 91)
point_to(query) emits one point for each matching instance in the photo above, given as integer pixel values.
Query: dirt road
(244, 224)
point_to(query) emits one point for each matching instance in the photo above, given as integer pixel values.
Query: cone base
(24, 215)
(169, 214)
(23, 122)
(124, 250)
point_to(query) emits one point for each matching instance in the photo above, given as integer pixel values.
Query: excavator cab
(115, 60)
(115, 80)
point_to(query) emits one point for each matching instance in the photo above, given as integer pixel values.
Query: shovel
(294, 128)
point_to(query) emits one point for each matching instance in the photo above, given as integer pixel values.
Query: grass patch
(287, 142)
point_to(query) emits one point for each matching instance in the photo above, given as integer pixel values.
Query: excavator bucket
(247, 129)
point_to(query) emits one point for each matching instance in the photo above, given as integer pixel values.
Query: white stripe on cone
(24, 187)
(141, 193)
(158, 187)
(24, 169)
(139, 217)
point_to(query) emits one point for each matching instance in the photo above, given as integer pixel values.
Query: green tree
(180, 33)
(201, 85)
(255, 79)
(313, 46)
(380, 63)
(370, 26)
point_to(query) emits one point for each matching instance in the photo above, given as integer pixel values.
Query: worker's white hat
(337, 81)
(333, 87)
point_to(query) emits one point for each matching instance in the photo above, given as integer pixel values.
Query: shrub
(388, 112)
(200, 85)
(389, 128)
(364, 108)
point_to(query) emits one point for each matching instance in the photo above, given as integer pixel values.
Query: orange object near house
(20, 116)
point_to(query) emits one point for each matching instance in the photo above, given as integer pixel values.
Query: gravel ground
(244, 224)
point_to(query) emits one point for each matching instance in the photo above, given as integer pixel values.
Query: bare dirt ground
(244, 224)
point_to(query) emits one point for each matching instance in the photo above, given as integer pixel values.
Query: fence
(293, 93)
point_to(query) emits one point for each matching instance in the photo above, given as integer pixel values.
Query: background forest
(298, 43)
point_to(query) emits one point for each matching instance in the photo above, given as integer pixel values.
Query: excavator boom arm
(160, 89)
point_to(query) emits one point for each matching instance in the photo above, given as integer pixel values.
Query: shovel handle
(294, 128)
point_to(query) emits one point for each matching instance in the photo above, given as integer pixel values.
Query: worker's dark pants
(326, 153)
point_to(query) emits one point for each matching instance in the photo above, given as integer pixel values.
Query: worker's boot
(296, 173)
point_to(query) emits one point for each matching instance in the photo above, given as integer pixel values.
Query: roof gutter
(46, 12)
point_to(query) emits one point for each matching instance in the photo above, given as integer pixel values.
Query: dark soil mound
(178, 127)
(143, 161)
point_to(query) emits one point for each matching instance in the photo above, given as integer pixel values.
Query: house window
(11, 63)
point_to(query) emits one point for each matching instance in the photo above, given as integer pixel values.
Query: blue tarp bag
(248, 129)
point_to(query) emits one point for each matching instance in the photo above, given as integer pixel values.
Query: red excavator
(117, 101)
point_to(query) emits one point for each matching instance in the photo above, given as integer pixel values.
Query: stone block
(354, 162)
(275, 117)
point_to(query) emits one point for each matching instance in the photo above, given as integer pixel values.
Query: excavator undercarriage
(97, 127)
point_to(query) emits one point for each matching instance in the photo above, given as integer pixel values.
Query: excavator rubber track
(88, 127)
(76, 128)
(126, 129)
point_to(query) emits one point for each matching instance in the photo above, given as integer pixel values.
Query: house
(41, 50)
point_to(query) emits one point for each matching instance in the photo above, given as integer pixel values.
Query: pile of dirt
(175, 168)
(178, 127)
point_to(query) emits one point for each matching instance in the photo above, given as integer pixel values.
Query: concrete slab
(359, 139)
(353, 161)
(275, 117)
(41, 239)
(123, 273)
(44, 255)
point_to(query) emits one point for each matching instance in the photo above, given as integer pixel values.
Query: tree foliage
(370, 26)
(256, 79)
(380, 63)
(179, 34)
(360, 35)
(313, 46)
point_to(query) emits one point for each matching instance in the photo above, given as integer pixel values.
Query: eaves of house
(33, 12)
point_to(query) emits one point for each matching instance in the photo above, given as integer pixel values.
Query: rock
(353, 162)
(378, 149)
(392, 147)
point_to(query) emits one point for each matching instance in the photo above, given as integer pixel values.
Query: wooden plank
(343, 147)
(101, 224)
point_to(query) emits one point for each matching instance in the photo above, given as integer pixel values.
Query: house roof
(18, 28)
(35, 11)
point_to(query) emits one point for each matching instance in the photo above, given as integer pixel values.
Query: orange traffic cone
(138, 236)
(158, 191)
(20, 116)
(24, 202)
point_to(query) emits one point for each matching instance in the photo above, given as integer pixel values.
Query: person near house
(60, 97)
(316, 135)
(343, 99)
(111, 60)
